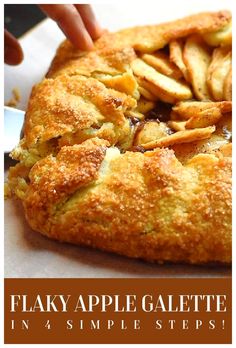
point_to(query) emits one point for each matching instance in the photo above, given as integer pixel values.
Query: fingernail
(88, 43)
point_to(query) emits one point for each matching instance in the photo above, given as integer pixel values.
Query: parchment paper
(27, 253)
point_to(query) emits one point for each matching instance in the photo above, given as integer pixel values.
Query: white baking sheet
(28, 254)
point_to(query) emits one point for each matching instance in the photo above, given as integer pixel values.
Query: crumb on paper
(15, 99)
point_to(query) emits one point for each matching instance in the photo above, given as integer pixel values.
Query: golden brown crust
(144, 38)
(169, 204)
(54, 179)
(67, 104)
(109, 60)
(148, 206)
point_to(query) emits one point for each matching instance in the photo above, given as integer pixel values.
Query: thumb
(13, 53)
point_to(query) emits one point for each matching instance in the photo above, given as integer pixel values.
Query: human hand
(77, 21)
(13, 53)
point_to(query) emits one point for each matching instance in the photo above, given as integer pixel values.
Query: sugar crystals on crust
(128, 148)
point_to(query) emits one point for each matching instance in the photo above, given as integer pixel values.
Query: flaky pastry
(128, 148)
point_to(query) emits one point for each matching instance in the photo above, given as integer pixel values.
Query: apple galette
(128, 148)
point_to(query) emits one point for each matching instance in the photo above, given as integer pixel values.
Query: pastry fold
(127, 150)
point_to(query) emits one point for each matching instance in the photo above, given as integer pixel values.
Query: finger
(70, 22)
(13, 53)
(90, 21)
